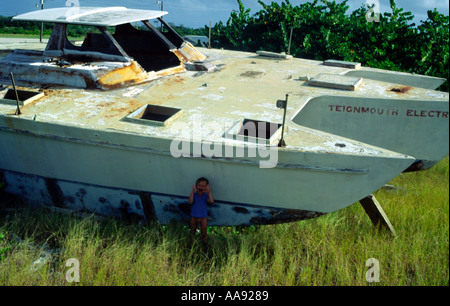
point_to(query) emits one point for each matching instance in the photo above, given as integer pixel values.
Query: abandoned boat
(125, 122)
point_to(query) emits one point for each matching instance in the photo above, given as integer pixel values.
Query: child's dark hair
(202, 179)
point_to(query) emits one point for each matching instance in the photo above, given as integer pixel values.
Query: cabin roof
(95, 16)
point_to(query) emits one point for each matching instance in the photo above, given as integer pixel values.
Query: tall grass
(330, 250)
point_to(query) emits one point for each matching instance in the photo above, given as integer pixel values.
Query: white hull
(168, 114)
(117, 165)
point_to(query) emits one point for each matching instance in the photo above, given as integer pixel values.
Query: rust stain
(130, 74)
(251, 74)
(122, 111)
(401, 90)
(183, 58)
(179, 79)
(169, 71)
(284, 216)
(188, 53)
(90, 84)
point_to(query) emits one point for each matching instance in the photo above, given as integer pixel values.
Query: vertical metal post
(283, 104)
(17, 96)
(290, 40)
(42, 24)
(162, 9)
(209, 41)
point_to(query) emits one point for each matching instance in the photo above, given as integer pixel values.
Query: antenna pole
(15, 92)
(42, 24)
(161, 2)
(283, 104)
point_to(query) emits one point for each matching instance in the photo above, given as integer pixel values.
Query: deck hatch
(255, 131)
(154, 115)
(25, 97)
(335, 81)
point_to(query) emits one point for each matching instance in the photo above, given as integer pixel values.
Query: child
(198, 200)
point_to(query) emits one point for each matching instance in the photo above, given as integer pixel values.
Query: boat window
(96, 46)
(154, 115)
(154, 48)
(94, 37)
(148, 46)
(256, 131)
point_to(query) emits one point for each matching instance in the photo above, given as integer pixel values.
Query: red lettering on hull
(387, 112)
(426, 113)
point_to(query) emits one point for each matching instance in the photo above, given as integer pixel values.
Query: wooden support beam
(377, 214)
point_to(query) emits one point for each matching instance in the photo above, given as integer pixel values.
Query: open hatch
(24, 96)
(154, 115)
(255, 131)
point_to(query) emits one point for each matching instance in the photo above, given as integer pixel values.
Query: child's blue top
(199, 205)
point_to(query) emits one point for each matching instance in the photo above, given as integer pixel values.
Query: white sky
(198, 13)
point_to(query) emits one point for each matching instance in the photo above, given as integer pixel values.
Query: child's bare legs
(203, 229)
(193, 225)
(202, 221)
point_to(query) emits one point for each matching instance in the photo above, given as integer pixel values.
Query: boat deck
(244, 86)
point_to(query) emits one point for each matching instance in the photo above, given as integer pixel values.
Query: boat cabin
(113, 53)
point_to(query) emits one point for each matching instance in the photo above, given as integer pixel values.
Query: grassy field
(28, 36)
(38, 247)
(36, 36)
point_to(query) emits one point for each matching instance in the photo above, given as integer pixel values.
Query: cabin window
(154, 115)
(98, 43)
(148, 46)
(94, 37)
(255, 131)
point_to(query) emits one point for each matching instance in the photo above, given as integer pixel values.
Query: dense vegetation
(33, 28)
(324, 30)
(26, 28)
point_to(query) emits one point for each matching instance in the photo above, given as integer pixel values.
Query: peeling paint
(401, 90)
(133, 206)
(120, 77)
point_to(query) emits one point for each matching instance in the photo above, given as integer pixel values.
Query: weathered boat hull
(139, 206)
(130, 176)
(134, 149)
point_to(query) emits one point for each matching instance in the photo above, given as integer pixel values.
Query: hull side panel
(301, 180)
(132, 205)
(417, 128)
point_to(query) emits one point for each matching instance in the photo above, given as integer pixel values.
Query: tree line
(7, 26)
